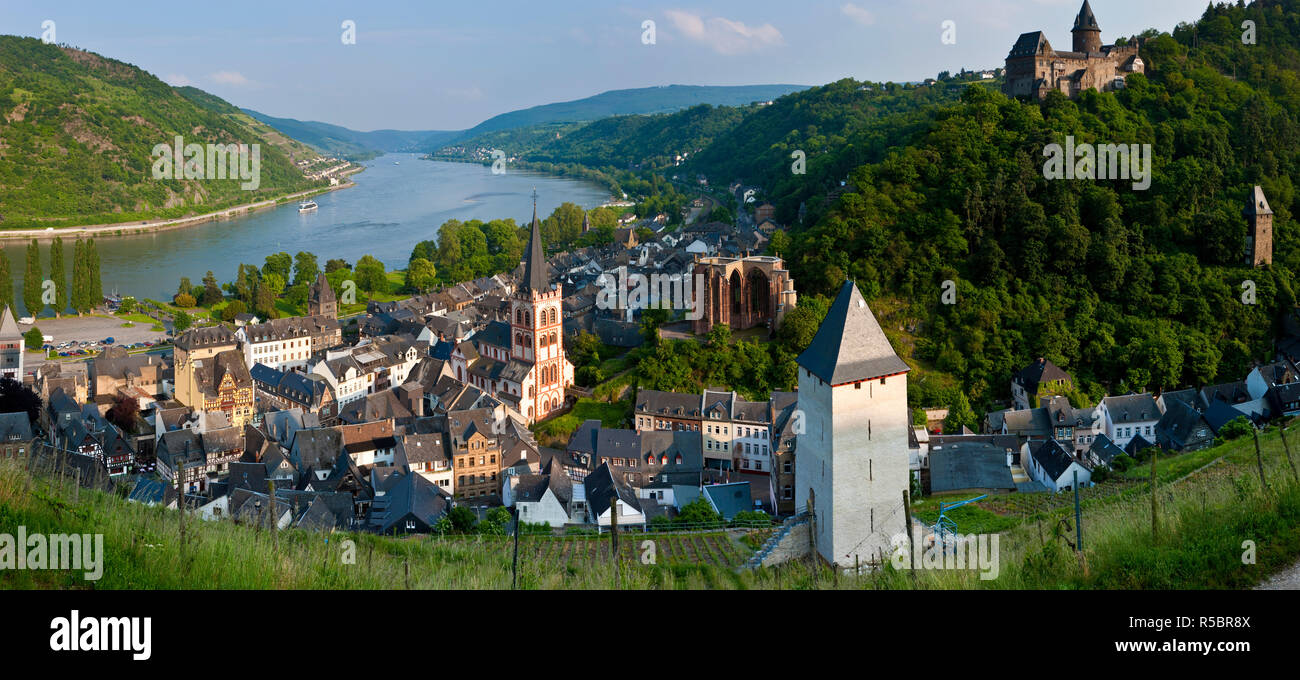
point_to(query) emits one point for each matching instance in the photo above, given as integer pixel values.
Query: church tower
(1259, 236)
(853, 447)
(537, 333)
(1086, 32)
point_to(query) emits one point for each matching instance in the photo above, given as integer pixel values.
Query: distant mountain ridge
(353, 144)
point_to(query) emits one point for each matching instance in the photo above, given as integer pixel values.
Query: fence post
(1259, 461)
(1154, 531)
(1078, 516)
(1282, 432)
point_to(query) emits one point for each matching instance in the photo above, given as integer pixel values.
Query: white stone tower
(852, 458)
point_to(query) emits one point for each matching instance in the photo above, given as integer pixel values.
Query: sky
(450, 64)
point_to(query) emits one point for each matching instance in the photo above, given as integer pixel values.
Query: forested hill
(751, 142)
(77, 131)
(1127, 289)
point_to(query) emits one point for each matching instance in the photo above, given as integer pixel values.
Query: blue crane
(945, 528)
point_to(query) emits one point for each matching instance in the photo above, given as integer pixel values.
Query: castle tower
(853, 447)
(321, 300)
(1086, 32)
(537, 333)
(1259, 237)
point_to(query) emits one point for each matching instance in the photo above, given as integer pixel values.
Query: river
(398, 201)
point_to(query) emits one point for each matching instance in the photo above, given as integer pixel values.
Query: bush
(749, 517)
(184, 300)
(1236, 428)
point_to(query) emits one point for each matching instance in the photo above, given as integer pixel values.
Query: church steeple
(535, 279)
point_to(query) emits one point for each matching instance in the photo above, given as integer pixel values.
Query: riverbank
(133, 228)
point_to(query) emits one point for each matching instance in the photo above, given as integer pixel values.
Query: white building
(853, 452)
(11, 347)
(1129, 416)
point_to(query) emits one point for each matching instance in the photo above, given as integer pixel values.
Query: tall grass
(1203, 520)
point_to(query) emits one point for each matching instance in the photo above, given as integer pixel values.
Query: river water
(398, 201)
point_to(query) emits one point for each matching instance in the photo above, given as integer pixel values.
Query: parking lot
(93, 329)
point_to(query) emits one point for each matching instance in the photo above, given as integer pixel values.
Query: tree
(181, 321)
(127, 305)
(274, 283)
(263, 301)
(59, 275)
(304, 268)
(278, 263)
(779, 245)
(462, 519)
(185, 301)
(232, 310)
(370, 275)
(211, 291)
(6, 283)
(15, 397)
(185, 287)
(960, 414)
(421, 276)
(124, 413)
(80, 278)
(335, 264)
(32, 280)
(96, 283)
(34, 338)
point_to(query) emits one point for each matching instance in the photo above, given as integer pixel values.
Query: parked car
(108, 340)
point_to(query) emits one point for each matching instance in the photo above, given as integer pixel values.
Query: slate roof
(602, 486)
(1086, 20)
(15, 427)
(1052, 457)
(535, 272)
(208, 336)
(730, 499)
(1256, 203)
(1104, 449)
(1136, 444)
(969, 465)
(850, 345)
(1040, 371)
(1180, 424)
(1133, 408)
(1219, 413)
(1029, 44)
(584, 438)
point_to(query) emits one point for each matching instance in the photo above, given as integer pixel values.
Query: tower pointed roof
(1257, 204)
(850, 346)
(535, 279)
(1086, 21)
(9, 327)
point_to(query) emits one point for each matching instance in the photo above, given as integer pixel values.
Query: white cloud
(177, 80)
(725, 36)
(858, 14)
(230, 78)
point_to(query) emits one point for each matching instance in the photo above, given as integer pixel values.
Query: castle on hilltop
(1034, 68)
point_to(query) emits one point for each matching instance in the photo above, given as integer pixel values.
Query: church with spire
(1034, 68)
(522, 360)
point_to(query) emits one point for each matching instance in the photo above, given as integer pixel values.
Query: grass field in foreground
(1203, 521)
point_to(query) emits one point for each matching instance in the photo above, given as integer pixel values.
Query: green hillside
(77, 131)
(910, 186)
